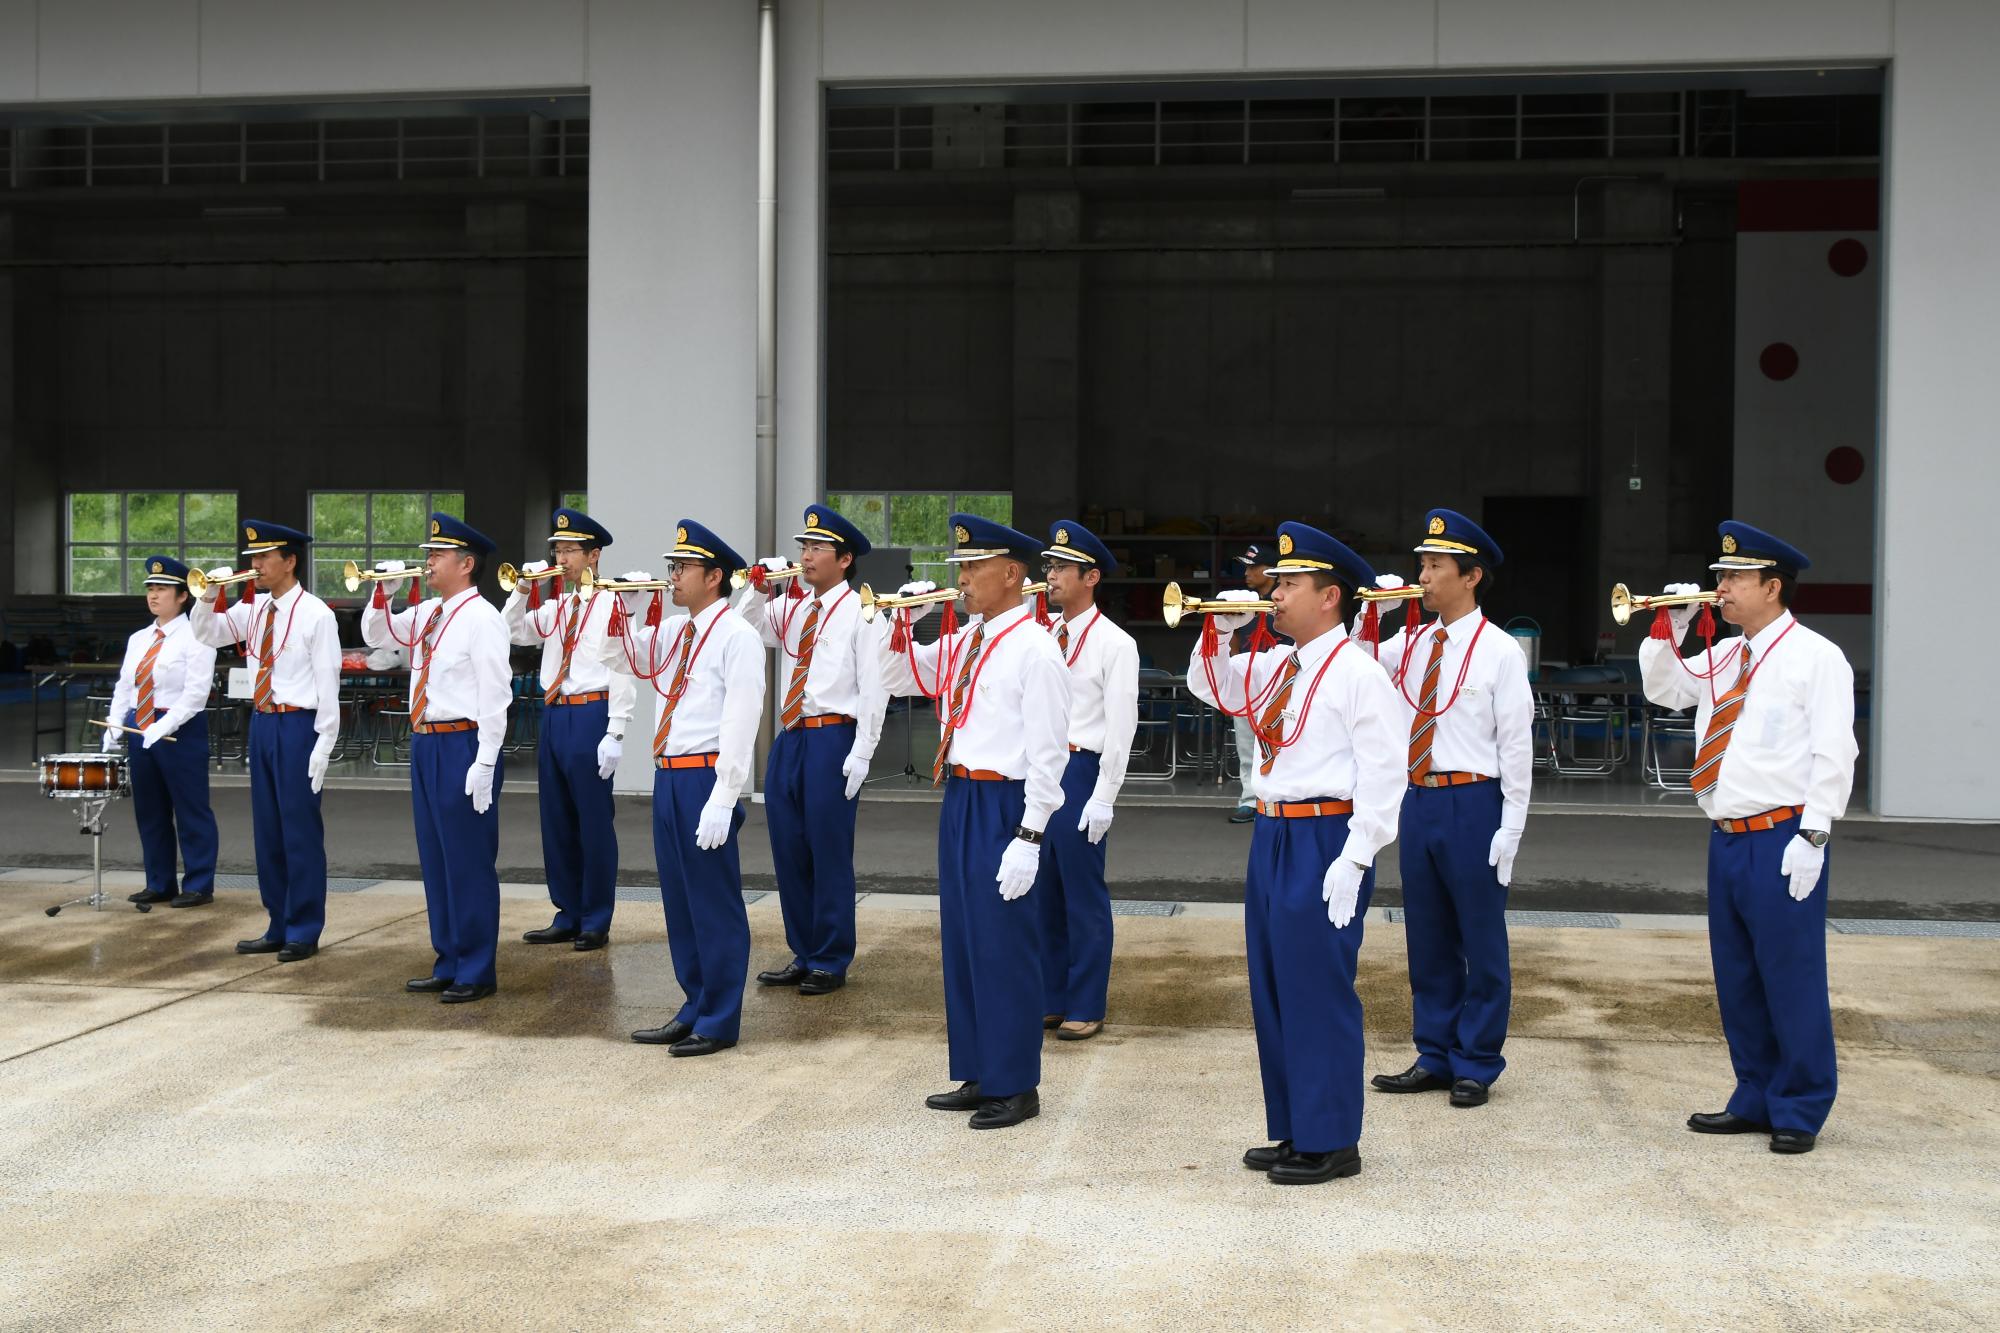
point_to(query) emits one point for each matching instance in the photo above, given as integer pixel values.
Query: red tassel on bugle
(899, 631)
(249, 592)
(1371, 623)
(948, 624)
(653, 611)
(1663, 626)
(616, 629)
(1704, 624)
(1210, 640)
(1261, 638)
(380, 601)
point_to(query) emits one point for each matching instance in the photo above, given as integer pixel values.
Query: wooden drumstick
(119, 726)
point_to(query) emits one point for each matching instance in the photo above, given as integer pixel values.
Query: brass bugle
(1403, 593)
(631, 585)
(509, 577)
(870, 603)
(1624, 605)
(199, 583)
(353, 575)
(1177, 604)
(1030, 589)
(751, 575)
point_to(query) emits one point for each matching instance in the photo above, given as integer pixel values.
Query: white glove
(1235, 620)
(479, 786)
(1342, 890)
(1096, 821)
(1500, 855)
(1682, 616)
(609, 751)
(636, 602)
(1388, 582)
(1801, 866)
(316, 763)
(713, 830)
(156, 731)
(1018, 865)
(532, 567)
(921, 586)
(112, 740)
(214, 588)
(390, 587)
(855, 769)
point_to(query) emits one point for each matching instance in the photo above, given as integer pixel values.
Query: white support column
(801, 474)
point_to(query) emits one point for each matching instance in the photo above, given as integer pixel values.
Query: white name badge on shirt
(242, 685)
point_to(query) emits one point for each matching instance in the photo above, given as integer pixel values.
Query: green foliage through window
(371, 526)
(920, 520)
(112, 532)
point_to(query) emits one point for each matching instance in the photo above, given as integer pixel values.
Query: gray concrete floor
(189, 1138)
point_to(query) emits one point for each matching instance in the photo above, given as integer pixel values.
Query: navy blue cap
(1448, 532)
(692, 541)
(826, 524)
(455, 534)
(573, 525)
(165, 569)
(1307, 550)
(1254, 554)
(1070, 540)
(261, 536)
(1745, 547)
(976, 538)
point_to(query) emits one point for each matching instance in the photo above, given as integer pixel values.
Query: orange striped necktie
(568, 646)
(1423, 727)
(795, 693)
(675, 690)
(957, 704)
(1270, 728)
(420, 698)
(265, 647)
(1721, 722)
(1062, 639)
(142, 681)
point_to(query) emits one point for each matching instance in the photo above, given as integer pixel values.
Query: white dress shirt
(1794, 740)
(1489, 726)
(719, 711)
(183, 674)
(1017, 718)
(596, 663)
(845, 674)
(1103, 695)
(1351, 748)
(305, 667)
(470, 677)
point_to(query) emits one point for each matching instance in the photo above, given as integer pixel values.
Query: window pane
(919, 520)
(577, 500)
(327, 563)
(399, 519)
(94, 570)
(868, 512)
(93, 516)
(135, 569)
(340, 516)
(211, 516)
(153, 519)
(999, 508)
(928, 562)
(205, 558)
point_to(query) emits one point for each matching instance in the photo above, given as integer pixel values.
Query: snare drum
(81, 776)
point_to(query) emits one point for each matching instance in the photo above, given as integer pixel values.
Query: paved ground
(189, 1138)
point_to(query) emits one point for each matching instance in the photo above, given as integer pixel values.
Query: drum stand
(90, 818)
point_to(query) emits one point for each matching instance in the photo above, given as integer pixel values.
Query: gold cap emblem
(1729, 544)
(1285, 544)
(436, 527)
(812, 520)
(1436, 528)
(251, 533)
(1062, 536)
(562, 520)
(960, 535)
(159, 568)
(681, 535)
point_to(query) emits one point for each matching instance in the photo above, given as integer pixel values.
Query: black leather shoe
(549, 935)
(699, 1045)
(151, 896)
(1721, 1122)
(1792, 1140)
(296, 951)
(965, 1097)
(1310, 1168)
(822, 983)
(192, 900)
(791, 974)
(464, 994)
(1243, 814)
(259, 946)
(426, 985)
(1414, 1079)
(1468, 1092)
(1000, 1112)
(1263, 1159)
(587, 940)
(663, 1036)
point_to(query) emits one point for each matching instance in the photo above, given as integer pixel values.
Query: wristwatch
(1818, 837)
(1026, 834)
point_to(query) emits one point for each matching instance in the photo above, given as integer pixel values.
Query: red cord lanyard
(570, 638)
(243, 645)
(672, 694)
(1251, 707)
(1077, 651)
(1755, 667)
(1282, 741)
(430, 655)
(791, 614)
(1403, 668)
(958, 719)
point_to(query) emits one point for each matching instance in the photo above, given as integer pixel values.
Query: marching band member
(714, 665)
(1004, 693)
(1074, 900)
(586, 703)
(1470, 722)
(829, 720)
(162, 691)
(1257, 578)
(1329, 780)
(1775, 711)
(290, 636)
(460, 687)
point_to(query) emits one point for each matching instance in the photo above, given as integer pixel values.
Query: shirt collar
(709, 613)
(1765, 637)
(1312, 654)
(447, 603)
(288, 597)
(1458, 631)
(172, 627)
(1010, 616)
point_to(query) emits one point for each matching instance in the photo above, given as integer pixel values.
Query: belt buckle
(1431, 780)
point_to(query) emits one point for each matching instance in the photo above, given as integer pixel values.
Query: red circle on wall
(1844, 465)
(1779, 361)
(1847, 257)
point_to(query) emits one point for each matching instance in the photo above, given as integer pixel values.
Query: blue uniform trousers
(1302, 999)
(708, 930)
(1770, 980)
(291, 836)
(992, 949)
(1074, 904)
(459, 850)
(579, 842)
(1455, 927)
(812, 843)
(170, 788)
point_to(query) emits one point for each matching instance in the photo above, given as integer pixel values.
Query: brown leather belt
(978, 774)
(281, 708)
(1304, 809)
(685, 760)
(819, 720)
(1078, 749)
(588, 698)
(1451, 779)
(1770, 819)
(444, 728)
